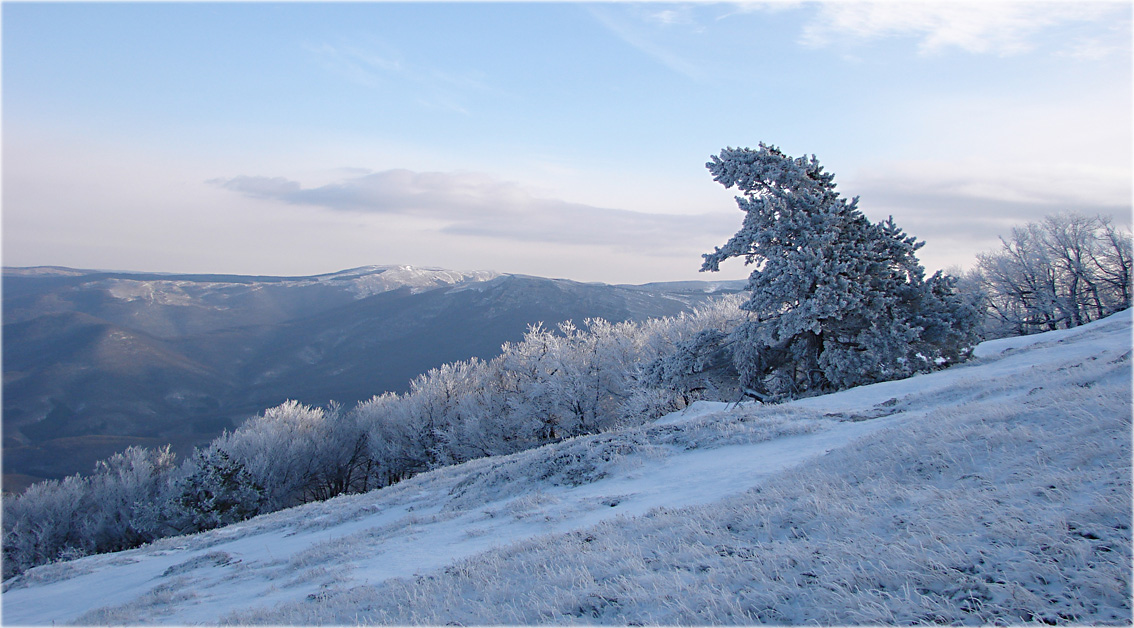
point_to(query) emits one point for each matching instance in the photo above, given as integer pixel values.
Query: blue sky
(555, 139)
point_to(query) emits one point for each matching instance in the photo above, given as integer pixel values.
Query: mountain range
(96, 361)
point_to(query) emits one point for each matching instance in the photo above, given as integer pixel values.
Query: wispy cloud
(640, 32)
(474, 204)
(1001, 28)
(1095, 48)
(378, 66)
(353, 64)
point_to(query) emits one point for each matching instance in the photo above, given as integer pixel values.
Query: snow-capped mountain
(994, 492)
(168, 305)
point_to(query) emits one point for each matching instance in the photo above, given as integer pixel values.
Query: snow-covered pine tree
(836, 301)
(218, 491)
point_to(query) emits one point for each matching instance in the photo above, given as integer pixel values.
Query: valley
(97, 361)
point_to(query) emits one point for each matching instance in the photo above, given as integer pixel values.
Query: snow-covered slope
(998, 491)
(369, 280)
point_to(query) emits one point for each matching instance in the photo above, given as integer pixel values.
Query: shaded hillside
(78, 388)
(96, 361)
(381, 342)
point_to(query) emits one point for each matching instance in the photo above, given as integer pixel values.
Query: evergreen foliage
(218, 491)
(836, 301)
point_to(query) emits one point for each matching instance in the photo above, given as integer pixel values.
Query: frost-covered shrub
(44, 522)
(553, 384)
(278, 450)
(294, 453)
(697, 368)
(288, 455)
(120, 505)
(128, 490)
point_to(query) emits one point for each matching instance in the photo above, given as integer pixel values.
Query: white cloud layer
(961, 208)
(475, 204)
(1001, 28)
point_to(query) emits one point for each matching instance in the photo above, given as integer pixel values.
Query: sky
(553, 139)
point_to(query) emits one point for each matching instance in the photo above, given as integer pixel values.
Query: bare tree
(1113, 260)
(1062, 272)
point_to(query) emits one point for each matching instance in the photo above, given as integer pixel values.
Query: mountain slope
(78, 388)
(379, 343)
(998, 491)
(180, 358)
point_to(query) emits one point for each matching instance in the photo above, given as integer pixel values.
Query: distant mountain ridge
(95, 361)
(171, 305)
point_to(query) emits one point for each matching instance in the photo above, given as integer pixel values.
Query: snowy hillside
(998, 491)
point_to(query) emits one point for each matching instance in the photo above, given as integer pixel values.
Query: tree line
(834, 301)
(1064, 271)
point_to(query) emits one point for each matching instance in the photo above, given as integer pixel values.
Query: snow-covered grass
(993, 512)
(995, 492)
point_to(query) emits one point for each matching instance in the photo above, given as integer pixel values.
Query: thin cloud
(356, 66)
(477, 205)
(1001, 28)
(259, 187)
(963, 210)
(1027, 184)
(1096, 48)
(636, 37)
(668, 16)
(427, 86)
